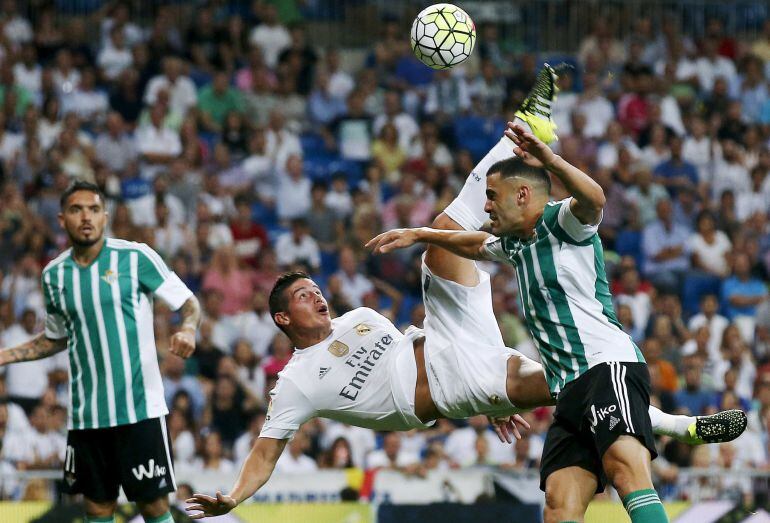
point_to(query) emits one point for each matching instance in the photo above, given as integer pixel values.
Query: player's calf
(627, 465)
(568, 492)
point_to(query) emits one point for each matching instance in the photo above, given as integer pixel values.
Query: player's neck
(310, 337)
(85, 254)
(531, 217)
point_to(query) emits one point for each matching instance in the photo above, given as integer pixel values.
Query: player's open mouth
(323, 309)
(86, 228)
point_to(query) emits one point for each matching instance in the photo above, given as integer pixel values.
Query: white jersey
(362, 374)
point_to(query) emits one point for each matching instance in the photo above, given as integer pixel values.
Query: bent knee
(100, 508)
(558, 509)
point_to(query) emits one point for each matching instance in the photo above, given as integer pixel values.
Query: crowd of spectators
(238, 147)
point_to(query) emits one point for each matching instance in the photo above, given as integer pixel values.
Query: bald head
(536, 177)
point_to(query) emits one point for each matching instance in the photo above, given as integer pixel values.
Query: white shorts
(465, 357)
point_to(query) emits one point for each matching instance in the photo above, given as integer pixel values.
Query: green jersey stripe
(536, 329)
(132, 334)
(540, 311)
(92, 377)
(78, 401)
(155, 259)
(125, 358)
(568, 327)
(104, 342)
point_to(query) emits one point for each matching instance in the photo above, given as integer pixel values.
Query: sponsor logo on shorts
(338, 349)
(151, 471)
(362, 329)
(603, 413)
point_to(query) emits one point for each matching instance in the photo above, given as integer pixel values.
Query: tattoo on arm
(191, 313)
(37, 348)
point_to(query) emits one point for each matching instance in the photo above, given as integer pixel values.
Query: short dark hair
(80, 185)
(516, 167)
(278, 302)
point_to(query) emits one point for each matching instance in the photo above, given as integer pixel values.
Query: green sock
(644, 506)
(94, 519)
(163, 518)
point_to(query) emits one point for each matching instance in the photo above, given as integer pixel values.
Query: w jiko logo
(152, 471)
(602, 414)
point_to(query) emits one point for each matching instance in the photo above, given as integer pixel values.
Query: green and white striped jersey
(565, 295)
(105, 312)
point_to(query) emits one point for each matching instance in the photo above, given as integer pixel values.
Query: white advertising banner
(460, 486)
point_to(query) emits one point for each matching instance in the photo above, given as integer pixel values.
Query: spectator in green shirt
(216, 100)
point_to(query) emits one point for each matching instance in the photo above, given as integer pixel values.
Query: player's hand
(208, 506)
(183, 343)
(506, 426)
(392, 240)
(529, 147)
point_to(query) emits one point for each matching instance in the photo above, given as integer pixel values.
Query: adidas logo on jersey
(613, 422)
(322, 372)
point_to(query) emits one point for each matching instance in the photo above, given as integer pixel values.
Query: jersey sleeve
(493, 248)
(55, 325)
(567, 227)
(157, 278)
(289, 408)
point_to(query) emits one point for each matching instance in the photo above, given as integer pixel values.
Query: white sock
(669, 424)
(468, 208)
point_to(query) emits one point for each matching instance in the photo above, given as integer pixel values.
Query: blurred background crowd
(238, 142)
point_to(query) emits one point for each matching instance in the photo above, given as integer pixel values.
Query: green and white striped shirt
(105, 312)
(565, 295)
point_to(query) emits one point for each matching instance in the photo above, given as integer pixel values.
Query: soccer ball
(443, 36)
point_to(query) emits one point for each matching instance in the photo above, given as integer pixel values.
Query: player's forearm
(584, 189)
(191, 314)
(257, 468)
(37, 348)
(468, 244)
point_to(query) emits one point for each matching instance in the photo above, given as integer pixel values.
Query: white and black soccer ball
(443, 36)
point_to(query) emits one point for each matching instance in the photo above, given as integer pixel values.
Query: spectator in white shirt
(293, 460)
(340, 82)
(115, 147)
(281, 143)
(86, 101)
(16, 28)
(729, 172)
(338, 199)
(256, 325)
(157, 144)
(297, 246)
(39, 447)
(405, 124)
(354, 284)
(392, 456)
(26, 382)
(28, 72)
(65, 77)
(181, 89)
(115, 57)
(716, 323)
(245, 441)
(698, 149)
(293, 198)
(270, 36)
(213, 459)
(711, 65)
(461, 447)
(593, 102)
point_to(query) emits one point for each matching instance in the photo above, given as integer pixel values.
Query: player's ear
(282, 318)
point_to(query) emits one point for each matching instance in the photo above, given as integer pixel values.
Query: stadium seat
(477, 134)
(629, 243)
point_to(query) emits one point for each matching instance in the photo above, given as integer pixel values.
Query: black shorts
(608, 401)
(135, 456)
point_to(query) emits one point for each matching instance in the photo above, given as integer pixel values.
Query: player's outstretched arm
(588, 197)
(255, 472)
(37, 348)
(468, 244)
(183, 342)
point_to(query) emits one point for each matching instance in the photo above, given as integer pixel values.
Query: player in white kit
(361, 370)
